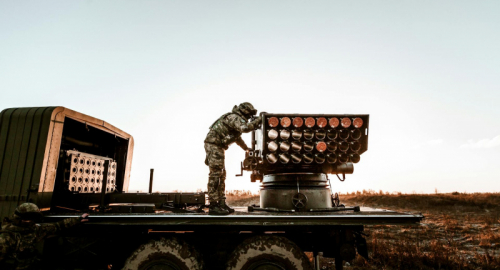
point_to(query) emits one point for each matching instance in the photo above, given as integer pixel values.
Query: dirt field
(460, 231)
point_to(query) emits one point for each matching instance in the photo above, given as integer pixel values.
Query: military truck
(68, 163)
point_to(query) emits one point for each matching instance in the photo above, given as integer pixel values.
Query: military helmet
(28, 211)
(247, 109)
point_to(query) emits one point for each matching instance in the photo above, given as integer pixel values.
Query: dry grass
(241, 198)
(460, 231)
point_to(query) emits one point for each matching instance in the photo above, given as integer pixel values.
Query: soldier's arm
(241, 143)
(239, 124)
(56, 227)
(6, 245)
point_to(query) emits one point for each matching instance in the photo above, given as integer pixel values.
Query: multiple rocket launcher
(309, 143)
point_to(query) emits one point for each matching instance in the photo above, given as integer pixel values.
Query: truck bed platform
(243, 218)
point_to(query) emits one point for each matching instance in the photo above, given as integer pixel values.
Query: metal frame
(51, 157)
(242, 218)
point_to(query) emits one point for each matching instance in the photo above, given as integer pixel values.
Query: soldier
(223, 132)
(20, 235)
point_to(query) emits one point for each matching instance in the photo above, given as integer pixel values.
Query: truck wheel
(164, 254)
(268, 252)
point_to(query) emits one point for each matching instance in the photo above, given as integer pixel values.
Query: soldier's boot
(223, 205)
(214, 209)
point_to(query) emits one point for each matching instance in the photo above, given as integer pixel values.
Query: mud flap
(361, 246)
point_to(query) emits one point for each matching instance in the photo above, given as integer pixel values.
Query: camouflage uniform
(223, 132)
(18, 242)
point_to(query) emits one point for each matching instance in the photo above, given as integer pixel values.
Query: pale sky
(427, 72)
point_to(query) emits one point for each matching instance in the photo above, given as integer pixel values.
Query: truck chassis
(217, 241)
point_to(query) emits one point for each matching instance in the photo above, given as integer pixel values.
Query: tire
(164, 254)
(268, 252)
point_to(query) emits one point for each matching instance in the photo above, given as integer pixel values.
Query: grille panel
(86, 173)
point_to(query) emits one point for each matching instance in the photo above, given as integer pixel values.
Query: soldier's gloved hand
(256, 122)
(258, 119)
(84, 217)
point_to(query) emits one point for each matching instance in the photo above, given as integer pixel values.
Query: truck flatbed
(243, 218)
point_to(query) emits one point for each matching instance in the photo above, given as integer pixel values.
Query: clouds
(484, 143)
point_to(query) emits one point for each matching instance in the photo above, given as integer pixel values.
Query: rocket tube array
(86, 174)
(310, 140)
